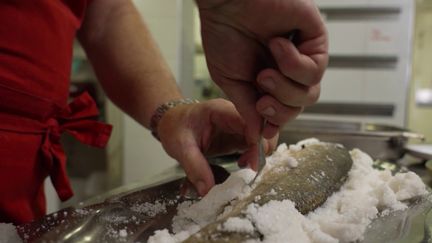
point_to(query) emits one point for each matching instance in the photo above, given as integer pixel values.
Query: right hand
(246, 47)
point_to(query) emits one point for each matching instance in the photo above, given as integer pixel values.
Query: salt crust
(8, 234)
(207, 209)
(236, 224)
(344, 217)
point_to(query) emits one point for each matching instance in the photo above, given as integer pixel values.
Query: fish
(322, 170)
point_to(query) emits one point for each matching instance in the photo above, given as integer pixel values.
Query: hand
(189, 133)
(247, 51)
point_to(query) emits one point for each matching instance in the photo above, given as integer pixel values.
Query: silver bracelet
(162, 109)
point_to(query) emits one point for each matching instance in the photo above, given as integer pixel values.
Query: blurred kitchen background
(379, 73)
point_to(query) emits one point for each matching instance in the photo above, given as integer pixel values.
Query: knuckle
(286, 65)
(287, 114)
(291, 99)
(314, 95)
(219, 101)
(316, 79)
(268, 72)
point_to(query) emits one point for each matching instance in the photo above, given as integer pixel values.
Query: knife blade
(261, 153)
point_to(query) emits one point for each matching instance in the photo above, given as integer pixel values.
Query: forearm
(126, 60)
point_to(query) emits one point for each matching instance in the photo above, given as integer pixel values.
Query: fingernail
(268, 84)
(269, 111)
(201, 187)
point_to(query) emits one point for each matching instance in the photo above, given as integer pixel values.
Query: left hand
(189, 133)
(248, 51)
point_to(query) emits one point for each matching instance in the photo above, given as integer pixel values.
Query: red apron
(36, 38)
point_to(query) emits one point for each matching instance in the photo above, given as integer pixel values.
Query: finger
(223, 144)
(275, 112)
(306, 69)
(270, 144)
(314, 27)
(250, 157)
(285, 90)
(196, 167)
(225, 116)
(228, 129)
(273, 143)
(244, 97)
(242, 162)
(270, 130)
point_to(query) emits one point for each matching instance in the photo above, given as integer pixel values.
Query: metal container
(382, 142)
(114, 219)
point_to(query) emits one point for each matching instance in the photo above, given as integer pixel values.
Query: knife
(261, 153)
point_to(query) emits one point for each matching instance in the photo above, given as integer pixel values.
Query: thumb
(196, 167)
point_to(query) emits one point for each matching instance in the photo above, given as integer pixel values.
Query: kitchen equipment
(423, 151)
(115, 219)
(382, 142)
(369, 71)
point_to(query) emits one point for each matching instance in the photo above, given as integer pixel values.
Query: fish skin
(322, 170)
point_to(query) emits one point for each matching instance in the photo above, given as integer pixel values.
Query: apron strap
(74, 119)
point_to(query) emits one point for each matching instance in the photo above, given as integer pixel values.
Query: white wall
(143, 155)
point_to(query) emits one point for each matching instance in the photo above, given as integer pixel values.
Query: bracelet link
(162, 109)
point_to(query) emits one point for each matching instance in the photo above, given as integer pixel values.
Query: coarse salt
(344, 217)
(149, 209)
(235, 224)
(123, 233)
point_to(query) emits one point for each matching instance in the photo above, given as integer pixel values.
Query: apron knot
(53, 130)
(77, 119)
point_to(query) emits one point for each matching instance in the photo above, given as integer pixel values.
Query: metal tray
(104, 221)
(112, 220)
(382, 142)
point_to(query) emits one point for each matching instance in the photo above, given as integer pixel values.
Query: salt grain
(149, 209)
(83, 211)
(123, 233)
(272, 192)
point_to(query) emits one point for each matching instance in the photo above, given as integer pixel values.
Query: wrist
(163, 109)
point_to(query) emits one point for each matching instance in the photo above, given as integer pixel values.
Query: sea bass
(322, 170)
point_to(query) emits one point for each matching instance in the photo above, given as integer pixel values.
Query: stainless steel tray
(109, 220)
(112, 220)
(382, 142)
